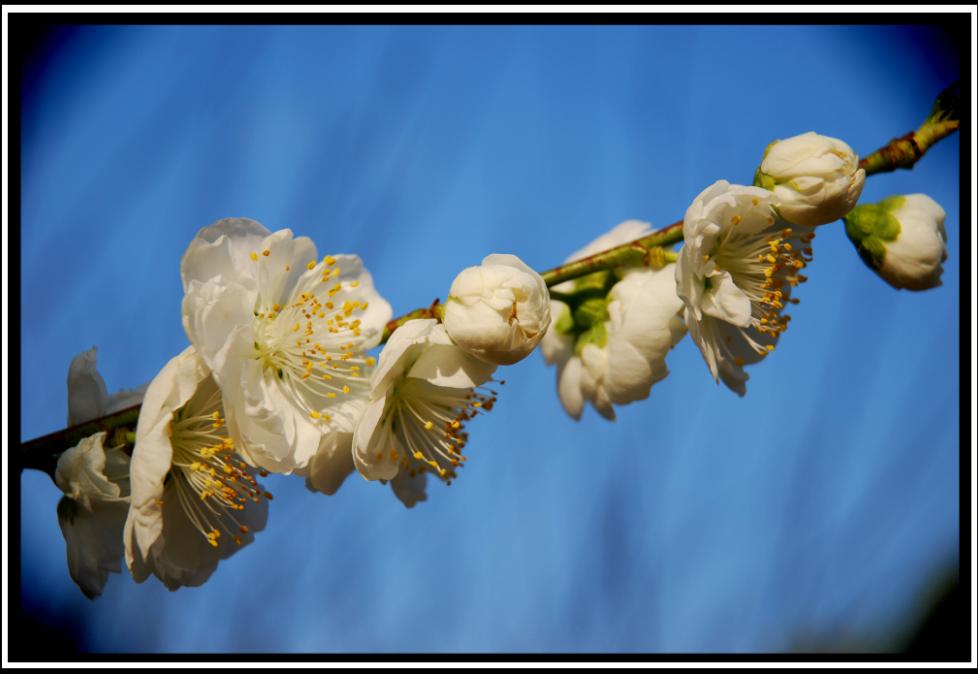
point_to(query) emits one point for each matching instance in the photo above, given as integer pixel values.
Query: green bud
(871, 226)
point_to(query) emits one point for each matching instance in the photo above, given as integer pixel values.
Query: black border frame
(25, 29)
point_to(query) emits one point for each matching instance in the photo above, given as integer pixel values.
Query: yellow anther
(266, 252)
(329, 260)
(428, 425)
(330, 395)
(346, 389)
(735, 220)
(311, 265)
(455, 423)
(254, 256)
(315, 415)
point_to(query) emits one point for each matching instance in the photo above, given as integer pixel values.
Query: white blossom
(423, 391)
(194, 501)
(617, 360)
(285, 336)
(735, 274)
(92, 513)
(815, 179)
(94, 479)
(902, 238)
(498, 311)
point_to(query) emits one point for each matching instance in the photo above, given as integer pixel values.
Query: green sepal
(871, 226)
(565, 324)
(597, 334)
(592, 311)
(890, 204)
(762, 179)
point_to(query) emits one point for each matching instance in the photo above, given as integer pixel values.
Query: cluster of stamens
(766, 266)
(208, 477)
(784, 261)
(430, 430)
(312, 344)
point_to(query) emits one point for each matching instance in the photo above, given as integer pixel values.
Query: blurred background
(817, 514)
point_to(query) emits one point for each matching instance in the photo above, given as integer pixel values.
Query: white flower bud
(902, 238)
(499, 311)
(815, 179)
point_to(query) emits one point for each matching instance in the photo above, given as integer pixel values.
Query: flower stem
(905, 151)
(42, 453)
(651, 250)
(436, 310)
(632, 254)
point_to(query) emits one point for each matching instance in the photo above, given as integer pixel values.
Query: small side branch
(905, 151)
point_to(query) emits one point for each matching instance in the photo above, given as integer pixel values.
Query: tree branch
(903, 152)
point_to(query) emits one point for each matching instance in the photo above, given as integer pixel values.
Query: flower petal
(410, 489)
(80, 472)
(725, 301)
(331, 465)
(447, 365)
(93, 537)
(569, 386)
(371, 442)
(87, 395)
(221, 252)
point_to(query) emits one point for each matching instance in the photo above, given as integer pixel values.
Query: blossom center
(765, 265)
(427, 425)
(312, 346)
(207, 476)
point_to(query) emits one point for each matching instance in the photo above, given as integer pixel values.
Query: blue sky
(816, 510)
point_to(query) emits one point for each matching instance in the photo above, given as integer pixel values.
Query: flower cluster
(279, 376)
(612, 334)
